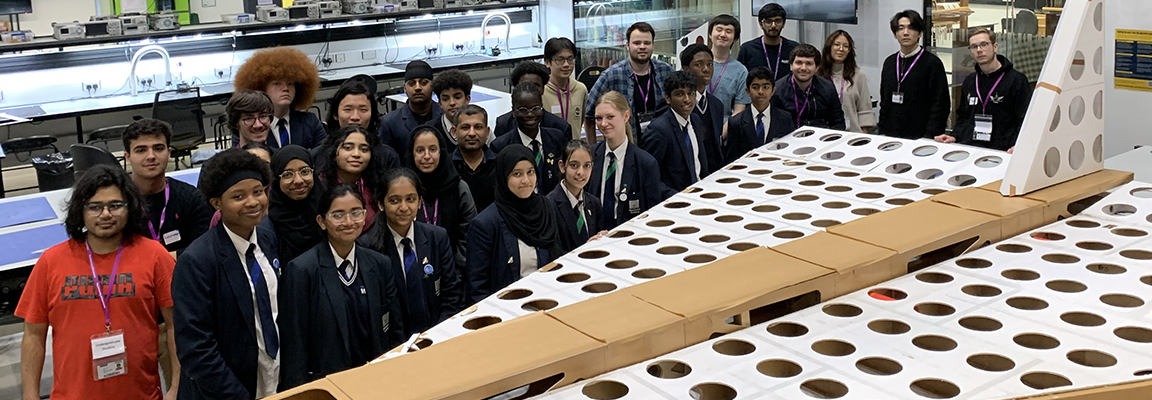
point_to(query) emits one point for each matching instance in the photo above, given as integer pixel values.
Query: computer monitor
(15, 6)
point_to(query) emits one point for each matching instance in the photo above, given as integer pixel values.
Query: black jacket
(742, 136)
(639, 183)
(506, 123)
(713, 116)
(664, 140)
(494, 255)
(186, 212)
(1007, 105)
(313, 318)
(304, 129)
(925, 109)
(552, 144)
(566, 216)
(397, 126)
(821, 103)
(752, 56)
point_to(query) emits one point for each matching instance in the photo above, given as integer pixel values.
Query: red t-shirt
(60, 292)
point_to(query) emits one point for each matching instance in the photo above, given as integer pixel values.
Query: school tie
(346, 272)
(579, 218)
(409, 255)
(282, 126)
(760, 128)
(610, 190)
(539, 166)
(414, 289)
(688, 150)
(263, 303)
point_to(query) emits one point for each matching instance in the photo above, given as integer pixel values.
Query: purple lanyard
(105, 299)
(985, 99)
(163, 211)
(642, 94)
(715, 83)
(900, 79)
(568, 97)
(775, 67)
(435, 212)
(796, 101)
(843, 84)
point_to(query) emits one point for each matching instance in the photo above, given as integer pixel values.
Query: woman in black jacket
(293, 201)
(577, 211)
(447, 202)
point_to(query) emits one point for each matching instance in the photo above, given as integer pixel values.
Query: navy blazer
(506, 123)
(552, 144)
(713, 118)
(639, 182)
(664, 140)
(742, 136)
(214, 317)
(566, 217)
(397, 126)
(314, 328)
(443, 291)
(494, 255)
(304, 129)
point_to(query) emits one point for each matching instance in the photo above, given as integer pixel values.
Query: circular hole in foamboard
(1098, 17)
(1129, 232)
(539, 305)
(779, 368)
(481, 322)
(934, 343)
(1141, 193)
(1013, 248)
(832, 155)
(905, 185)
(934, 309)
(555, 268)
(1076, 155)
(742, 246)
(788, 234)
(703, 211)
(768, 159)
(862, 161)
(1059, 258)
(796, 216)
(805, 197)
(734, 347)
(604, 390)
(715, 238)
(836, 205)
(1098, 112)
(648, 273)
(749, 185)
(1082, 223)
(787, 329)
(1122, 300)
(842, 310)
(696, 189)
(1142, 255)
(934, 277)
(1066, 286)
(818, 168)
(766, 208)
(593, 254)
(1094, 245)
(669, 369)
(677, 204)
(1091, 358)
(934, 388)
(736, 167)
(1106, 269)
(869, 195)
(713, 195)
(1147, 280)
(962, 180)
(889, 146)
(878, 366)
(1055, 119)
(924, 151)
(865, 211)
(672, 250)
(823, 389)
(740, 202)
(980, 324)
(1077, 68)
(973, 263)
(1019, 274)
(833, 347)
(1036, 341)
(783, 177)
(1143, 372)
(887, 294)
(660, 223)
(621, 264)
(776, 146)
(838, 189)
(760, 172)
(1119, 210)
(759, 226)
(514, 294)
(956, 156)
(1052, 162)
(712, 391)
(1081, 318)
(847, 174)
(989, 161)
(573, 277)
(599, 287)
(1044, 380)
(1134, 334)
(929, 174)
(899, 201)
(621, 233)
(981, 290)
(873, 179)
(824, 223)
(422, 343)
(1026, 303)
(685, 230)
(804, 150)
(1076, 111)
(727, 180)
(991, 362)
(778, 192)
(811, 182)
(889, 327)
(700, 258)
(804, 133)
(859, 142)
(933, 191)
(643, 241)
(1047, 236)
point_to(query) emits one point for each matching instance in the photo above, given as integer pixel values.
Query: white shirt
(340, 260)
(912, 54)
(276, 130)
(702, 97)
(448, 129)
(571, 197)
(267, 368)
(527, 141)
(528, 260)
(692, 138)
(620, 152)
(766, 116)
(398, 238)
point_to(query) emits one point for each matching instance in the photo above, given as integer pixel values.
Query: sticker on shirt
(171, 237)
(109, 356)
(983, 130)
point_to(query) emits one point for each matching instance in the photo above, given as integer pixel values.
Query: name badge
(898, 98)
(983, 131)
(171, 237)
(109, 358)
(555, 109)
(634, 207)
(973, 101)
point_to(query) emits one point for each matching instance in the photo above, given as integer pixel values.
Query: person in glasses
(249, 117)
(839, 66)
(338, 301)
(106, 284)
(564, 96)
(536, 74)
(544, 142)
(770, 50)
(421, 253)
(994, 100)
(293, 201)
(447, 198)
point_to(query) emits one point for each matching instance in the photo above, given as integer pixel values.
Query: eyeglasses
(981, 45)
(533, 110)
(841, 46)
(565, 60)
(250, 120)
(773, 21)
(357, 215)
(288, 174)
(116, 208)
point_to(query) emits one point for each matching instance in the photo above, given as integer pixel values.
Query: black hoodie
(1007, 106)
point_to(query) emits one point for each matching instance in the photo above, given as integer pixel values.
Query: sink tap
(484, 30)
(143, 52)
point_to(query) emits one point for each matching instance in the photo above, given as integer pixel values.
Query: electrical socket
(339, 58)
(219, 73)
(368, 55)
(90, 88)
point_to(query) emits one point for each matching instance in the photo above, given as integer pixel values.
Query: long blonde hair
(620, 103)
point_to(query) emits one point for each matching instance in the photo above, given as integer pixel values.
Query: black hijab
(441, 187)
(532, 219)
(294, 220)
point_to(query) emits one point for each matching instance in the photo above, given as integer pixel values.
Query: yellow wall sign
(1133, 60)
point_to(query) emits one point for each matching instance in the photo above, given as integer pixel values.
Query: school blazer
(494, 255)
(665, 142)
(397, 126)
(552, 143)
(506, 124)
(639, 182)
(566, 217)
(742, 131)
(304, 129)
(443, 290)
(215, 319)
(314, 327)
(714, 118)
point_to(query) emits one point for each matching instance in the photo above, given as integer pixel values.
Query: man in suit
(290, 79)
(397, 126)
(679, 140)
(225, 287)
(759, 124)
(547, 143)
(536, 74)
(697, 59)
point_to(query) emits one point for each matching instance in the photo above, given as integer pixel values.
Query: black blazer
(494, 255)
(714, 118)
(214, 317)
(639, 182)
(313, 316)
(566, 217)
(304, 129)
(443, 291)
(506, 123)
(552, 144)
(664, 141)
(742, 136)
(397, 126)
(445, 136)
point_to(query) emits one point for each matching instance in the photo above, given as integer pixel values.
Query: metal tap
(143, 52)
(484, 29)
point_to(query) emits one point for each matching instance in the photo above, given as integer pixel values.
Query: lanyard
(567, 97)
(163, 211)
(105, 299)
(796, 101)
(900, 79)
(843, 85)
(715, 83)
(644, 95)
(984, 100)
(435, 212)
(775, 67)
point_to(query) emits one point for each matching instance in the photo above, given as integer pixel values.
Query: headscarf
(442, 187)
(531, 219)
(294, 220)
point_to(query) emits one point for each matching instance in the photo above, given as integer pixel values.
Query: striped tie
(579, 218)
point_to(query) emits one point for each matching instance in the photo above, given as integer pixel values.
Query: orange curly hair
(281, 63)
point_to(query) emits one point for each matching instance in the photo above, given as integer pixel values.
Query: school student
(453, 89)
(809, 99)
(697, 59)
(249, 115)
(914, 99)
(338, 301)
(291, 80)
(544, 142)
(350, 157)
(760, 123)
(515, 236)
(536, 74)
(624, 177)
(447, 200)
(418, 110)
(259, 150)
(421, 255)
(577, 212)
(683, 147)
(474, 161)
(564, 95)
(352, 104)
(293, 201)
(225, 289)
(770, 50)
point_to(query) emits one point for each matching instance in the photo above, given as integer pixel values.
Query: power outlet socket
(90, 88)
(219, 73)
(339, 58)
(368, 55)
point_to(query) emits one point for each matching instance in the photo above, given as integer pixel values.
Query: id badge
(983, 131)
(634, 206)
(109, 357)
(556, 109)
(897, 98)
(171, 237)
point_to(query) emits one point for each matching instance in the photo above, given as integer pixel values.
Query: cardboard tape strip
(1049, 86)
